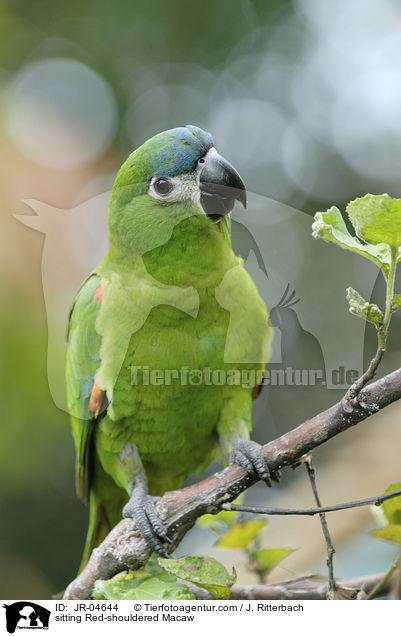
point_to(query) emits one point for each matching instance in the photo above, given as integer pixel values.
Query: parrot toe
(143, 512)
(249, 456)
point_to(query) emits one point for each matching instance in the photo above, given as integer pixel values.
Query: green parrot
(167, 340)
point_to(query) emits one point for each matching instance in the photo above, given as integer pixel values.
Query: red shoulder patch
(96, 399)
(98, 295)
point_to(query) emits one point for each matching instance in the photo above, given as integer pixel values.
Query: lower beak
(220, 186)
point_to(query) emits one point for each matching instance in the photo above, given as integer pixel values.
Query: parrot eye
(162, 186)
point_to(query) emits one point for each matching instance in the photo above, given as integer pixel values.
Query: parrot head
(175, 175)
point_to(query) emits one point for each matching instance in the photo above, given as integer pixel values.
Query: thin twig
(382, 583)
(382, 333)
(354, 389)
(261, 510)
(330, 548)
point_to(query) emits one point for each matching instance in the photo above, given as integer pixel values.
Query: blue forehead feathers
(176, 151)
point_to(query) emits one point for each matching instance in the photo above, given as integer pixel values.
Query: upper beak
(220, 186)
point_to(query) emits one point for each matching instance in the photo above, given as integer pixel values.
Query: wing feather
(82, 363)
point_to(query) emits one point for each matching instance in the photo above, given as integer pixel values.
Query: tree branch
(124, 548)
(301, 588)
(311, 588)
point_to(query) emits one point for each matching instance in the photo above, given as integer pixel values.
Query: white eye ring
(162, 186)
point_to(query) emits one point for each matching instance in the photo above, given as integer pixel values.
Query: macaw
(167, 340)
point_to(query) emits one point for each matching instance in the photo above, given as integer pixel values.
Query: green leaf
(396, 304)
(377, 219)
(392, 532)
(203, 571)
(241, 535)
(266, 560)
(152, 566)
(392, 507)
(139, 585)
(330, 226)
(392, 512)
(218, 521)
(360, 307)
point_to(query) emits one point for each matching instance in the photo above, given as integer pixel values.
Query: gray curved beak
(221, 186)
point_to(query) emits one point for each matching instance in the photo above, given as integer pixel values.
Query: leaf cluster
(376, 220)
(163, 579)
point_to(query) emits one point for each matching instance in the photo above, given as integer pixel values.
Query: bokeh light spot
(60, 113)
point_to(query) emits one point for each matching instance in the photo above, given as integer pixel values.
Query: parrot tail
(98, 528)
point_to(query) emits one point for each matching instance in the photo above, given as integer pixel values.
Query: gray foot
(248, 455)
(141, 509)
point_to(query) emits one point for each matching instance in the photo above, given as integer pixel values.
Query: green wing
(82, 363)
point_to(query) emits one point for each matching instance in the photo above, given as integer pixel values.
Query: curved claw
(248, 455)
(141, 509)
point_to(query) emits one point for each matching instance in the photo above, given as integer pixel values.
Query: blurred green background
(304, 97)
